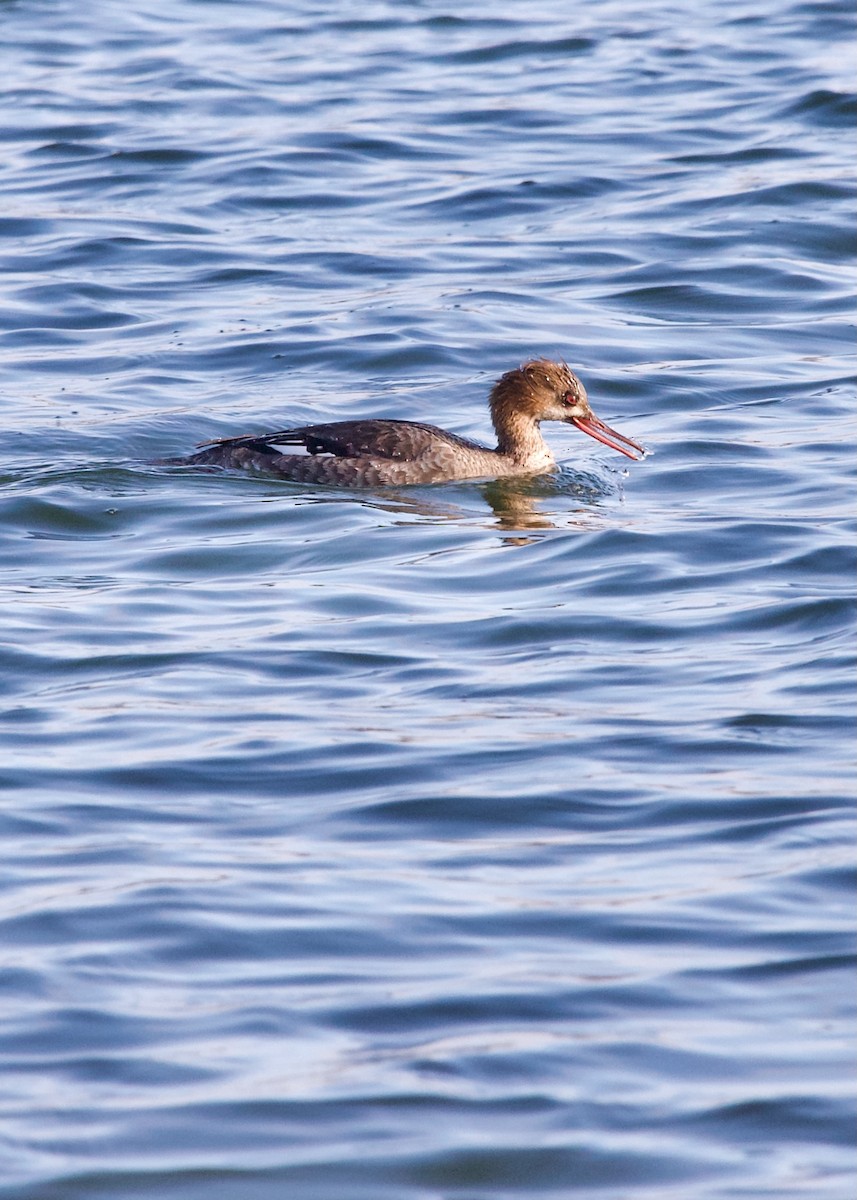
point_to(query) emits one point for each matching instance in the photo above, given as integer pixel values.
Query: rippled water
(481, 841)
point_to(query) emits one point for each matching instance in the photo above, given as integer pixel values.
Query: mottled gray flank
(379, 451)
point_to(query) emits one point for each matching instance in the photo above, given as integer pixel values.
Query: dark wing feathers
(372, 438)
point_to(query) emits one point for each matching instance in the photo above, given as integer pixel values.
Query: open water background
(471, 842)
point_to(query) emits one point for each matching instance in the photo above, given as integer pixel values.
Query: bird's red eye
(569, 398)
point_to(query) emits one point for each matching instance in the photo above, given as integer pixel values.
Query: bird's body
(381, 451)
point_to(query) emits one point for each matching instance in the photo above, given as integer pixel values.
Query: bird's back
(360, 453)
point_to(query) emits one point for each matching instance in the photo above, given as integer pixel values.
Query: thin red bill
(603, 433)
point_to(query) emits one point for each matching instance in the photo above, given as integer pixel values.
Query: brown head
(542, 390)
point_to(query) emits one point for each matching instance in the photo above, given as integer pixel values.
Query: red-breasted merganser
(382, 451)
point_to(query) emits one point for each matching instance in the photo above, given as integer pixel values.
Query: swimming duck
(380, 451)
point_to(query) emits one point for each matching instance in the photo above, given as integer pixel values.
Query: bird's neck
(519, 435)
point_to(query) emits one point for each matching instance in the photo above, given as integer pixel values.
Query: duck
(383, 451)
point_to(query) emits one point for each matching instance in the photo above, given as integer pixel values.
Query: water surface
(485, 841)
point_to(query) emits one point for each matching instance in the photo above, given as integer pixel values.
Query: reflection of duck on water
(381, 451)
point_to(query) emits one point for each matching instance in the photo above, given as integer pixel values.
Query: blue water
(472, 842)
